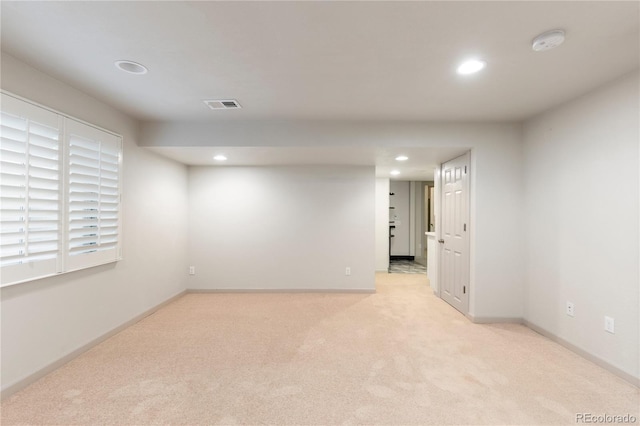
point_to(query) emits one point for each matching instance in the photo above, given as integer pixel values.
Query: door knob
(441, 241)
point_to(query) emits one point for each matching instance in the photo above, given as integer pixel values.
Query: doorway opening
(410, 216)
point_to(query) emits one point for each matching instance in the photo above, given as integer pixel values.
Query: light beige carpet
(400, 356)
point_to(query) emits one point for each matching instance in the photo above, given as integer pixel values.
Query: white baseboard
(281, 290)
(495, 320)
(584, 354)
(31, 378)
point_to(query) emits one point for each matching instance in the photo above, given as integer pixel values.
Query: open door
(453, 240)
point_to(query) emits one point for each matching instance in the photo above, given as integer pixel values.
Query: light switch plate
(609, 325)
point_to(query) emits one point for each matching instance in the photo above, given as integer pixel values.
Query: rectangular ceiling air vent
(222, 104)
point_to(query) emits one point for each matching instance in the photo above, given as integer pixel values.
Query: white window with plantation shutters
(59, 193)
(93, 195)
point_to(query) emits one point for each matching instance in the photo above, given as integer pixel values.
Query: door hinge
(465, 170)
(464, 289)
(465, 227)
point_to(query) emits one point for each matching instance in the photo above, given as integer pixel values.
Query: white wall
(282, 228)
(582, 233)
(496, 285)
(44, 320)
(400, 216)
(497, 259)
(382, 225)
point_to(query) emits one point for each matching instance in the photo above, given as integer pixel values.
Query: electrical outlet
(192, 270)
(609, 325)
(347, 271)
(570, 310)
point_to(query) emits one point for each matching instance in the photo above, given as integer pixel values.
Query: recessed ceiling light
(548, 40)
(220, 157)
(131, 67)
(402, 158)
(395, 172)
(472, 66)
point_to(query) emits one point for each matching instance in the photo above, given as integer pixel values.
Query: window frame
(64, 262)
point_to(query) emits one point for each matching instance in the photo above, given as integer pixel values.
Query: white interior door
(454, 234)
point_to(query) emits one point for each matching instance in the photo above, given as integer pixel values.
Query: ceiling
(419, 167)
(325, 60)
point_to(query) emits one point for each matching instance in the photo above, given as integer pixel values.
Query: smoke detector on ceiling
(548, 40)
(222, 104)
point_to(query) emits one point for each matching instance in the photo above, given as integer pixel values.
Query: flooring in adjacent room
(406, 267)
(399, 356)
